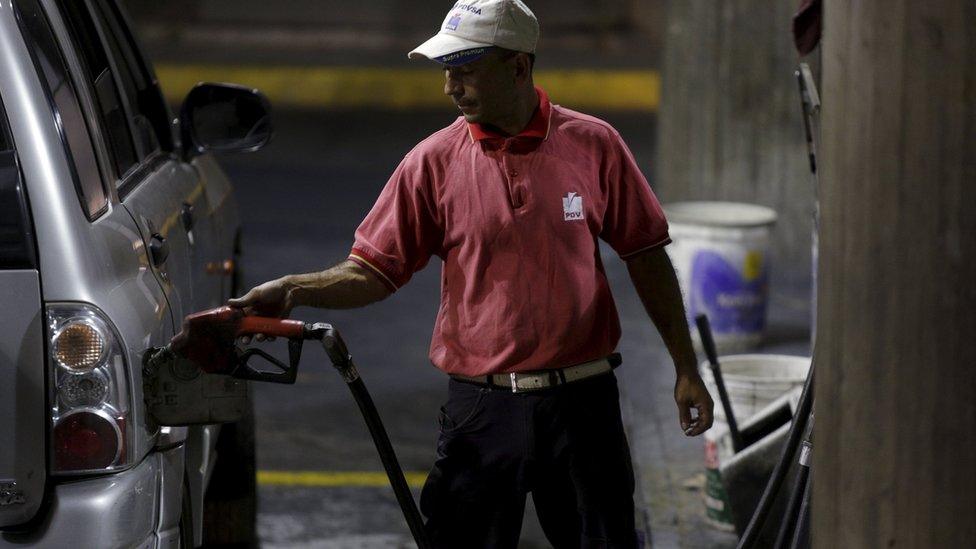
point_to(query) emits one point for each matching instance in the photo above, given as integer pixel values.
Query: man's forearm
(345, 286)
(656, 284)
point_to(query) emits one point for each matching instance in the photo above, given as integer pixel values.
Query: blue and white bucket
(720, 252)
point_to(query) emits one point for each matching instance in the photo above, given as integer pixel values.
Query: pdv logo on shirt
(573, 207)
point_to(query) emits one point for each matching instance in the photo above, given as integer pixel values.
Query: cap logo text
(452, 57)
(468, 7)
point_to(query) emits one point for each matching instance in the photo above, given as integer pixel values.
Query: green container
(718, 511)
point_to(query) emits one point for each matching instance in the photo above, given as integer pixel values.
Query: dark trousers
(566, 446)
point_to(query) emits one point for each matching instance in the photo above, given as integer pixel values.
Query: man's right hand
(342, 286)
(272, 299)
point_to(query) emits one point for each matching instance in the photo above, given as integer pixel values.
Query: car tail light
(79, 346)
(86, 439)
(91, 391)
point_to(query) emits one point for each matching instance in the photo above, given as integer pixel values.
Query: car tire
(230, 503)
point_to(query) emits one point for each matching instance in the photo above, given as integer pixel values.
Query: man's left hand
(689, 393)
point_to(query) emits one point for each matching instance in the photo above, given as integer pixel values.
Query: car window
(65, 108)
(142, 132)
(149, 102)
(99, 76)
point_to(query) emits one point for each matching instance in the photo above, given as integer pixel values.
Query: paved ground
(301, 199)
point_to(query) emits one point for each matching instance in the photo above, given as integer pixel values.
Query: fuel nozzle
(208, 341)
(336, 348)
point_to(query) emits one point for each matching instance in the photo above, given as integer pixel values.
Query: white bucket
(720, 252)
(754, 381)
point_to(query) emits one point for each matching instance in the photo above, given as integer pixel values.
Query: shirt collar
(538, 127)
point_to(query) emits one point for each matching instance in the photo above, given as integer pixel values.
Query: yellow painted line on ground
(336, 479)
(358, 87)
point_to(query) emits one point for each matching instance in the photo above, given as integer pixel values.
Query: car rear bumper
(116, 510)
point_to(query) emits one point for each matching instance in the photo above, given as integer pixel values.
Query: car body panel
(172, 467)
(199, 466)
(120, 510)
(220, 222)
(22, 388)
(155, 205)
(24, 418)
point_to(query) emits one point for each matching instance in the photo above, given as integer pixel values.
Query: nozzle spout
(338, 353)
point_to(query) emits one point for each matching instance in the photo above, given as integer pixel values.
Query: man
(512, 197)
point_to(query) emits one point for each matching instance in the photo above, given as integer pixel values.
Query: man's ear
(523, 68)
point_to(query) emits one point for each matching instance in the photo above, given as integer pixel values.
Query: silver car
(115, 222)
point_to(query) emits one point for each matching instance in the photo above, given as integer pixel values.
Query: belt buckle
(514, 377)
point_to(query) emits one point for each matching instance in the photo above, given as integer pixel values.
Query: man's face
(485, 89)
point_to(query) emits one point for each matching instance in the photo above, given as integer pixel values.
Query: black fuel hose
(338, 353)
(797, 430)
(390, 462)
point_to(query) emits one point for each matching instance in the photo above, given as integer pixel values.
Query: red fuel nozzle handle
(207, 337)
(276, 327)
(224, 321)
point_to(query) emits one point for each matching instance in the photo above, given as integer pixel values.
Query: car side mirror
(224, 118)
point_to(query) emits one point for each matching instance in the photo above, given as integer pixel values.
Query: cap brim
(441, 45)
(462, 57)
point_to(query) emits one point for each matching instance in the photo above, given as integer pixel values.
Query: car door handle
(186, 215)
(158, 249)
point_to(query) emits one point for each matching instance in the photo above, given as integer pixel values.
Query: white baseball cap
(472, 27)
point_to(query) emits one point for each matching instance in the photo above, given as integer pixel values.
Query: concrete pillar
(730, 123)
(895, 442)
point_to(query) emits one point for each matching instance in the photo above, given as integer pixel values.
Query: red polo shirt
(515, 221)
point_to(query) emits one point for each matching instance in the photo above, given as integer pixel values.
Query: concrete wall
(895, 454)
(730, 121)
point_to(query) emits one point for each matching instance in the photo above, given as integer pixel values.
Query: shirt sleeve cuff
(365, 259)
(659, 244)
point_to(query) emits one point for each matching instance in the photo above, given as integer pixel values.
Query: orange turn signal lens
(79, 347)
